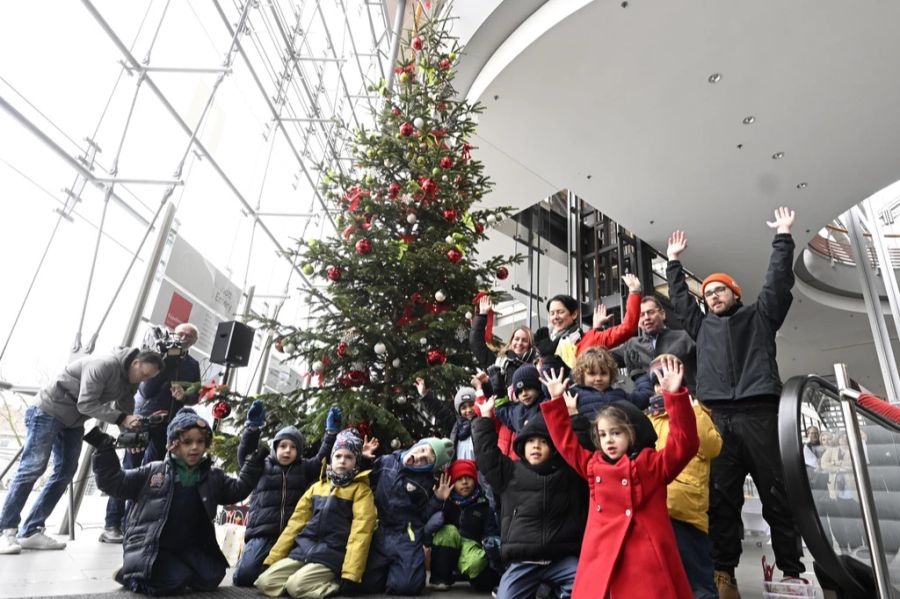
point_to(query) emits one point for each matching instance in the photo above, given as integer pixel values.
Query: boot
(727, 585)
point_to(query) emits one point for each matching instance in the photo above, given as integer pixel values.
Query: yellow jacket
(688, 495)
(331, 526)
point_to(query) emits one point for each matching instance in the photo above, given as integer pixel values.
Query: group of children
(587, 488)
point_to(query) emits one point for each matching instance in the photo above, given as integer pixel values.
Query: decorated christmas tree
(402, 270)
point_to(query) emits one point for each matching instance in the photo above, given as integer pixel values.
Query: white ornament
(387, 162)
(451, 142)
(406, 198)
(380, 348)
(401, 399)
(490, 219)
(411, 218)
(445, 178)
(423, 341)
(317, 366)
(468, 316)
(448, 239)
(418, 122)
(289, 348)
(440, 295)
(395, 443)
(396, 363)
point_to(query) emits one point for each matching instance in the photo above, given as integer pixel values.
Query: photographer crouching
(154, 397)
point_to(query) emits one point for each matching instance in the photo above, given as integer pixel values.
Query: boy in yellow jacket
(688, 495)
(326, 541)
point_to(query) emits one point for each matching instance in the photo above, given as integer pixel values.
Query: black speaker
(232, 344)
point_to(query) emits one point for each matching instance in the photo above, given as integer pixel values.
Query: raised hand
(442, 489)
(333, 420)
(485, 304)
(369, 447)
(784, 220)
(600, 316)
(673, 374)
(487, 406)
(420, 387)
(633, 283)
(177, 392)
(556, 382)
(677, 245)
(571, 402)
(478, 380)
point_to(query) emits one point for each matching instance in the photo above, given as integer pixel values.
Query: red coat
(629, 547)
(505, 436)
(619, 334)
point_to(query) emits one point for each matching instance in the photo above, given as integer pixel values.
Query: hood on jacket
(535, 427)
(125, 356)
(291, 434)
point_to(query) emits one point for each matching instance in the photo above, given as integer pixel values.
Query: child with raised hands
(286, 477)
(628, 534)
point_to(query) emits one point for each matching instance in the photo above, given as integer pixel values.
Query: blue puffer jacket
(280, 487)
(590, 400)
(151, 487)
(403, 497)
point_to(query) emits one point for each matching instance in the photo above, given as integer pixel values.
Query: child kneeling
(327, 538)
(170, 543)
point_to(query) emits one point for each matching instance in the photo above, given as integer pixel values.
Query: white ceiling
(622, 95)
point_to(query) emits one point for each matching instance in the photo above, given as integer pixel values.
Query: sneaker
(9, 544)
(494, 593)
(726, 585)
(440, 586)
(112, 534)
(40, 541)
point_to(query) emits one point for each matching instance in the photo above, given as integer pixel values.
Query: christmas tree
(401, 270)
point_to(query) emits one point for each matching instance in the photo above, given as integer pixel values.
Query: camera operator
(100, 387)
(158, 393)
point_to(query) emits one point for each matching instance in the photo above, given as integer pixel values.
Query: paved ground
(85, 567)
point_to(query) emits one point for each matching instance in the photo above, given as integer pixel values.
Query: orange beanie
(723, 278)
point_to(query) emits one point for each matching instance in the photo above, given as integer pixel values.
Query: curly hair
(616, 417)
(595, 359)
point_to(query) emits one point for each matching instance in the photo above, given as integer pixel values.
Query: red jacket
(505, 436)
(629, 547)
(618, 334)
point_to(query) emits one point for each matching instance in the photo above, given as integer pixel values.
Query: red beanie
(723, 278)
(461, 468)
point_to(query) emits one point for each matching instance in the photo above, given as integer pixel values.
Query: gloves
(258, 457)
(542, 342)
(333, 420)
(100, 440)
(256, 415)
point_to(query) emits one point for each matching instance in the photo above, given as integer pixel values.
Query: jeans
(44, 435)
(250, 566)
(696, 557)
(521, 580)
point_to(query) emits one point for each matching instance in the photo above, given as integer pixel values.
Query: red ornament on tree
(341, 350)
(407, 239)
(406, 129)
(446, 162)
(502, 273)
(416, 297)
(279, 345)
(450, 214)
(220, 410)
(363, 247)
(479, 228)
(393, 190)
(334, 273)
(454, 255)
(396, 111)
(428, 186)
(444, 64)
(417, 43)
(436, 357)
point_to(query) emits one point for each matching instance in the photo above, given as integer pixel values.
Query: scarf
(341, 480)
(462, 502)
(574, 328)
(185, 475)
(463, 429)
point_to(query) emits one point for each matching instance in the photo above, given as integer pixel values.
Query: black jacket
(475, 521)
(736, 352)
(544, 508)
(156, 394)
(637, 353)
(151, 488)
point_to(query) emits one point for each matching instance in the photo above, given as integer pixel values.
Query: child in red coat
(629, 547)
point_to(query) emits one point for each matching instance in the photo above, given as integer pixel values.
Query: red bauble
(417, 43)
(416, 297)
(221, 410)
(406, 129)
(393, 190)
(279, 345)
(363, 247)
(502, 273)
(446, 162)
(334, 273)
(396, 111)
(341, 349)
(454, 255)
(450, 214)
(436, 357)
(479, 228)
(444, 64)
(407, 239)
(356, 377)
(429, 186)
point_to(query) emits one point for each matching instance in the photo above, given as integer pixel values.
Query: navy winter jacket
(403, 497)
(590, 400)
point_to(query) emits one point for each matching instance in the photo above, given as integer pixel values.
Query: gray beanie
(291, 434)
(462, 396)
(185, 419)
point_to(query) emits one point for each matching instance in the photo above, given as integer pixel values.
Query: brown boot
(727, 585)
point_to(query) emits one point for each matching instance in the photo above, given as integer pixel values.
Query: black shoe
(113, 534)
(117, 576)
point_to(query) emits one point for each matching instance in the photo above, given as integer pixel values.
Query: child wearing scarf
(466, 525)
(170, 544)
(326, 541)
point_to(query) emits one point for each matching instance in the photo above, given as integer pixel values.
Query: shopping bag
(232, 538)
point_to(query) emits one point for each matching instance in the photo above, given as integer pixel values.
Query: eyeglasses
(709, 293)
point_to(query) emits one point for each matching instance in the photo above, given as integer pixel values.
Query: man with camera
(100, 387)
(162, 393)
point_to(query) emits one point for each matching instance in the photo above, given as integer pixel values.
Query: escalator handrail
(796, 482)
(880, 411)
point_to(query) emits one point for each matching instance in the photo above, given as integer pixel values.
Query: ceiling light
(715, 78)
(801, 185)
(777, 155)
(749, 119)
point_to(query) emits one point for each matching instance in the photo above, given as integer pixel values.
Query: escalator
(825, 484)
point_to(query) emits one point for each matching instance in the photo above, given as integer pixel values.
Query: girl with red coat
(629, 547)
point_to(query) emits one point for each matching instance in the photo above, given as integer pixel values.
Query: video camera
(138, 436)
(160, 340)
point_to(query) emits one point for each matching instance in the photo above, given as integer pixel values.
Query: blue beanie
(525, 377)
(186, 419)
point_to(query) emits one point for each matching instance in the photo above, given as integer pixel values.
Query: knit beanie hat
(723, 278)
(348, 439)
(186, 419)
(657, 369)
(525, 377)
(291, 434)
(442, 448)
(465, 394)
(461, 468)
